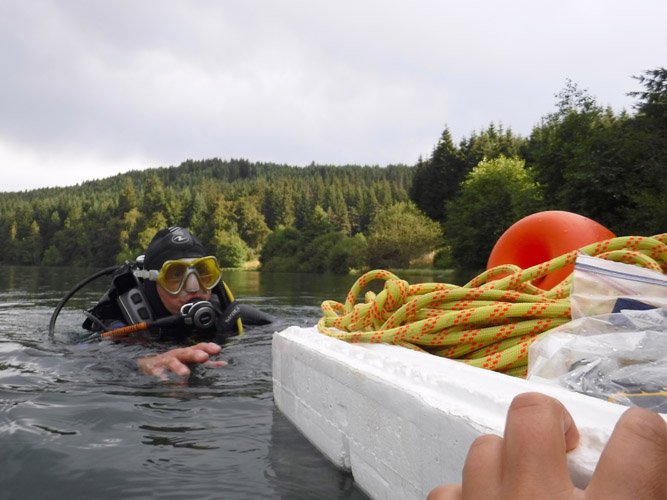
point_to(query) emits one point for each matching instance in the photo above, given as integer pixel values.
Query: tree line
(233, 206)
(582, 157)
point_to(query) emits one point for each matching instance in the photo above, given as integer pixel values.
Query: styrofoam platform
(402, 421)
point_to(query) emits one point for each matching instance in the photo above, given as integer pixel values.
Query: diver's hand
(530, 461)
(176, 360)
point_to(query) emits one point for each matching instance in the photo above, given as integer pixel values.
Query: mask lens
(174, 272)
(208, 271)
(172, 275)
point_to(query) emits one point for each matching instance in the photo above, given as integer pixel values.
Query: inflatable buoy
(543, 236)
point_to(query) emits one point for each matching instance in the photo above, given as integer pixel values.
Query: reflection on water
(79, 421)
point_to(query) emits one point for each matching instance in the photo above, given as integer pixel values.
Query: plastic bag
(620, 356)
(601, 286)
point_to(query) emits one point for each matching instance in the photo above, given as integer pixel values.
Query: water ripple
(79, 421)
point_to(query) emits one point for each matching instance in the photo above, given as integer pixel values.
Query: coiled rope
(488, 323)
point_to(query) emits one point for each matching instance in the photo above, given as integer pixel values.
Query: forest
(446, 211)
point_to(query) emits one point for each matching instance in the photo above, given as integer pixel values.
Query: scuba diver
(176, 292)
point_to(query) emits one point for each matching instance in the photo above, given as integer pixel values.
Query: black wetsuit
(108, 315)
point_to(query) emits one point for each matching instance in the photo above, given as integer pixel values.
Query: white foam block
(402, 421)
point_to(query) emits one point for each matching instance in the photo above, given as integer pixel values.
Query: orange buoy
(543, 236)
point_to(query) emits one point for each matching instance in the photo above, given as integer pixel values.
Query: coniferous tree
(437, 179)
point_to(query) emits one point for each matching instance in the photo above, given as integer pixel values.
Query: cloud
(375, 82)
(29, 168)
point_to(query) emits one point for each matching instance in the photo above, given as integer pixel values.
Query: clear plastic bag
(601, 286)
(621, 355)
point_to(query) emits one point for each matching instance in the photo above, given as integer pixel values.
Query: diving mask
(174, 274)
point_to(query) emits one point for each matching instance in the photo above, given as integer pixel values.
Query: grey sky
(90, 88)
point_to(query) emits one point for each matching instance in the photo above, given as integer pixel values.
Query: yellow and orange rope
(488, 323)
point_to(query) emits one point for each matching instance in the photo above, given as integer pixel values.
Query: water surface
(78, 420)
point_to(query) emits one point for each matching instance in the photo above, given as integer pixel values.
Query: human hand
(175, 360)
(529, 462)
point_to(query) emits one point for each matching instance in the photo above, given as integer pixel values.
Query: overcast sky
(91, 88)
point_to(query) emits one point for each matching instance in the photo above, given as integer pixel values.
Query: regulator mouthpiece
(199, 314)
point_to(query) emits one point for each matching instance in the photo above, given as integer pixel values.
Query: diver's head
(170, 244)
(186, 271)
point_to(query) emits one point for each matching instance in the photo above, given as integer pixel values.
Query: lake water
(79, 421)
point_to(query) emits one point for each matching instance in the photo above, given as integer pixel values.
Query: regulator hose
(70, 294)
(488, 323)
(199, 314)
